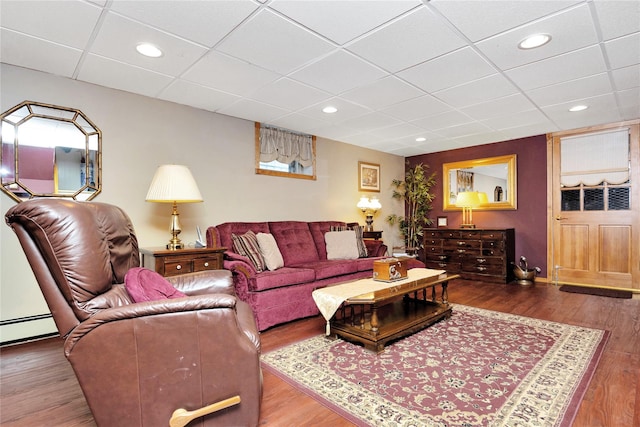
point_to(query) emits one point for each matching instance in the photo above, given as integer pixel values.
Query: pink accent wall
(530, 219)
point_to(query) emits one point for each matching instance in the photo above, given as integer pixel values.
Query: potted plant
(415, 192)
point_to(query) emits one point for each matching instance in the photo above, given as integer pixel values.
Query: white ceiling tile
(346, 110)
(365, 140)
(205, 22)
(66, 22)
(499, 107)
(477, 139)
(254, 111)
(198, 96)
(517, 120)
(503, 49)
(618, 18)
(223, 72)
(624, 51)
(448, 70)
(626, 78)
(335, 132)
(416, 108)
(30, 52)
(371, 121)
(597, 84)
(630, 101)
(338, 72)
(602, 109)
(106, 72)
(474, 92)
(343, 20)
(528, 130)
(289, 94)
(410, 40)
(444, 120)
(382, 93)
(119, 37)
(480, 19)
(463, 130)
(572, 65)
(272, 42)
(398, 131)
(436, 146)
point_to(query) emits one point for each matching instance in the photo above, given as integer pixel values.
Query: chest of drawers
(475, 254)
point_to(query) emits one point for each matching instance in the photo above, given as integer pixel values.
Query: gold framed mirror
(494, 176)
(49, 151)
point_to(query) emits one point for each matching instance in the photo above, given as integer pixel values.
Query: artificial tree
(415, 192)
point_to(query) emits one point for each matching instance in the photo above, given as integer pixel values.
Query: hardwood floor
(38, 387)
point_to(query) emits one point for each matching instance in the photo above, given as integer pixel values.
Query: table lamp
(369, 208)
(173, 184)
(468, 200)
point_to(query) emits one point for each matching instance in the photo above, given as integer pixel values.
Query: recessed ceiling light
(534, 41)
(421, 139)
(578, 108)
(147, 49)
(329, 110)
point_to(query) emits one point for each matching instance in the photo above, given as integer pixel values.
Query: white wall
(141, 133)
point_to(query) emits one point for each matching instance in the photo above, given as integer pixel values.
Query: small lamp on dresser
(468, 200)
(174, 184)
(369, 207)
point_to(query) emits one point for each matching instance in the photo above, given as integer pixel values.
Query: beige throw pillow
(341, 245)
(270, 251)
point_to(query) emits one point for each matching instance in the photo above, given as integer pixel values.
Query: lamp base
(175, 245)
(175, 242)
(467, 226)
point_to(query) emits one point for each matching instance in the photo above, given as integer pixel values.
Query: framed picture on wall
(441, 222)
(368, 177)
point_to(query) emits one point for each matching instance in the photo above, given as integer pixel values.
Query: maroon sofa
(284, 294)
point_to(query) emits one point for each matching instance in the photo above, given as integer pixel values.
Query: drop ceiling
(448, 71)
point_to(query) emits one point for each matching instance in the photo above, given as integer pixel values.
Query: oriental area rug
(477, 368)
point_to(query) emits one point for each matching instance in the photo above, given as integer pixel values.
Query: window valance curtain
(595, 158)
(285, 146)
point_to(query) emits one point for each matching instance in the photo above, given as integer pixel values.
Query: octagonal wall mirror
(49, 151)
(494, 176)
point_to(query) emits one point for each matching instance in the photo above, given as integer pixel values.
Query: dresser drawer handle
(206, 264)
(461, 243)
(442, 264)
(178, 267)
(442, 257)
(481, 260)
(461, 251)
(482, 268)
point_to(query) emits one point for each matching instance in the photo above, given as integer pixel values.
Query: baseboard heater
(25, 320)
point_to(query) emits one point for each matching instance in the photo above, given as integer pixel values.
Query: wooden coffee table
(404, 307)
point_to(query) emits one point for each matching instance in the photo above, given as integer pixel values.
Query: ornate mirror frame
(49, 151)
(496, 176)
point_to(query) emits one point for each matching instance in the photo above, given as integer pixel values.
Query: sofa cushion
(318, 229)
(332, 268)
(270, 252)
(281, 277)
(341, 245)
(247, 245)
(143, 284)
(295, 241)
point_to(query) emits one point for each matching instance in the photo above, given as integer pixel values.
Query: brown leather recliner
(139, 362)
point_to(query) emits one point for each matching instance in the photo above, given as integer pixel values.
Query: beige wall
(141, 133)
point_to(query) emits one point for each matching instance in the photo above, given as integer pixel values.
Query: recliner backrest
(76, 249)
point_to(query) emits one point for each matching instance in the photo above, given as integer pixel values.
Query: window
(281, 152)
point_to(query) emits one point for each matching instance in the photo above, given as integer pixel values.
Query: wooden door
(594, 229)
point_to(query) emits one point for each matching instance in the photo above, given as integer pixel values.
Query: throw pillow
(143, 284)
(362, 248)
(247, 245)
(270, 251)
(341, 245)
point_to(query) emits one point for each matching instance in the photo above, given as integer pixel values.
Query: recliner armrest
(204, 282)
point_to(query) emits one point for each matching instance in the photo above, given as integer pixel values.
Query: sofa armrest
(242, 272)
(375, 248)
(204, 282)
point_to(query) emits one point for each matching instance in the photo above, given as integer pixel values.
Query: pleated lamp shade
(173, 183)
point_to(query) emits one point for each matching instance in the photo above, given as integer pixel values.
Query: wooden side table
(376, 235)
(169, 262)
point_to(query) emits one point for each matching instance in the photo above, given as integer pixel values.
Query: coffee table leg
(445, 294)
(374, 319)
